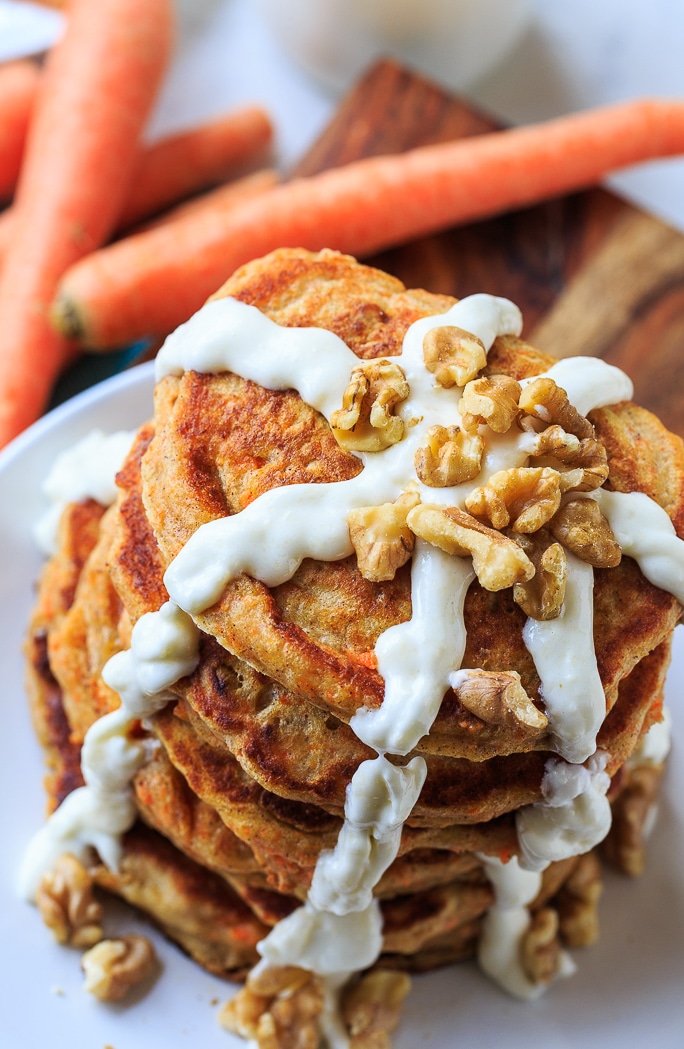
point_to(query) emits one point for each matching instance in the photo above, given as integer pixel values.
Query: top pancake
(221, 441)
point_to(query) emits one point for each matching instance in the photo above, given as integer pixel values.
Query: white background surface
(628, 990)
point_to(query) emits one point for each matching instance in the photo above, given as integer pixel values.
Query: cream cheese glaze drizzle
(84, 471)
(338, 929)
(164, 648)
(563, 653)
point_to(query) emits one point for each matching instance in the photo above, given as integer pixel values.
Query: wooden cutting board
(592, 274)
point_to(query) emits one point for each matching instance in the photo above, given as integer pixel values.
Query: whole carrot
(18, 86)
(150, 283)
(96, 92)
(179, 165)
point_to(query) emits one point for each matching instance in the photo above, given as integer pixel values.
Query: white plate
(627, 991)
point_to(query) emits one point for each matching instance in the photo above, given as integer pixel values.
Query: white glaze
(563, 653)
(164, 647)
(380, 798)
(573, 818)
(84, 471)
(506, 923)
(415, 658)
(645, 532)
(590, 382)
(654, 745)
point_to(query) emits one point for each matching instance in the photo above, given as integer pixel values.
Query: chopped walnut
(498, 561)
(371, 1008)
(491, 399)
(542, 596)
(114, 967)
(540, 950)
(553, 442)
(577, 903)
(543, 399)
(366, 422)
(581, 527)
(590, 467)
(278, 1008)
(498, 698)
(585, 459)
(449, 456)
(452, 355)
(67, 905)
(633, 812)
(523, 498)
(381, 538)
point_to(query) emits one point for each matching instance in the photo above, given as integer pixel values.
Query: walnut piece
(498, 698)
(498, 561)
(543, 399)
(540, 950)
(449, 456)
(67, 905)
(633, 811)
(371, 1008)
(114, 967)
(554, 442)
(452, 355)
(581, 527)
(491, 399)
(585, 459)
(381, 538)
(278, 1008)
(577, 903)
(523, 498)
(365, 422)
(542, 596)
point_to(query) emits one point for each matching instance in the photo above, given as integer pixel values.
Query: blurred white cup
(453, 41)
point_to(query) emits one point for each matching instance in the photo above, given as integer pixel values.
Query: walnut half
(498, 698)
(540, 949)
(542, 596)
(381, 538)
(581, 527)
(114, 967)
(523, 498)
(371, 1008)
(452, 355)
(449, 456)
(491, 399)
(366, 420)
(577, 903)
(278, 1008)
(498, 561)
(67, 905)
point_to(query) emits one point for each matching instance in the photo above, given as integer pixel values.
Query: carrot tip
(66, 319)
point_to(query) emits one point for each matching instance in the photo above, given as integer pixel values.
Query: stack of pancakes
(249, 761)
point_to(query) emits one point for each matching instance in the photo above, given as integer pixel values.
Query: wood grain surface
(592, 274)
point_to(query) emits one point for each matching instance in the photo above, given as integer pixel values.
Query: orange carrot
(179, 165)
(149, 283)
(182, 164)
(18, 86)
(217, 201)
(96, 92)
(174, 232)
